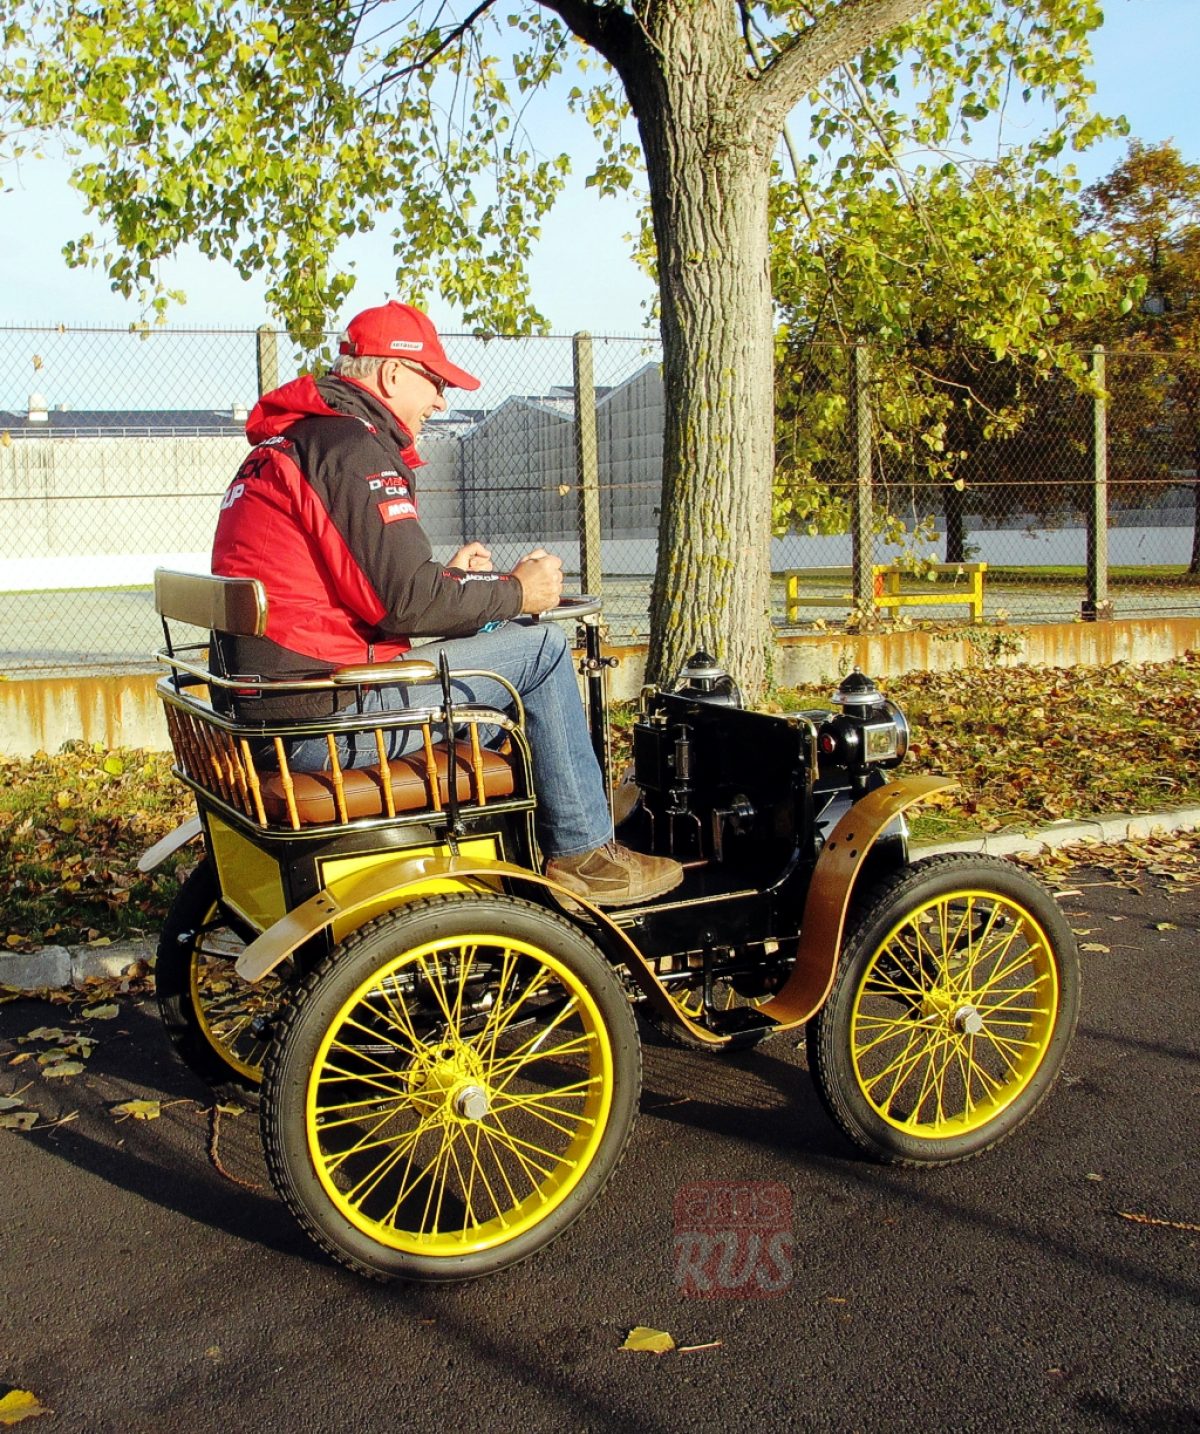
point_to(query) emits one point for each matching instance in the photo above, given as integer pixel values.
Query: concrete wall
(105, 512)
(94, 512)
(40, 714)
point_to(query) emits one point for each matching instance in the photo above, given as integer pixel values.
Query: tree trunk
(1193, 413)
(709, 125)
(955, 504)
(709, 172)
(1188, 396)
(1194, 565)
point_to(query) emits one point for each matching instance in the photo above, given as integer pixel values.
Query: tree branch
(607, 28)
(454, 34)
(831, 40)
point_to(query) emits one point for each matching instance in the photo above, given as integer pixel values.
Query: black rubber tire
(904, 1040)
(406, 1084)
(195, 931)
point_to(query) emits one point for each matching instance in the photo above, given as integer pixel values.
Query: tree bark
(1194, 565)
(708, 165)
(1191, 403)
(955, 523)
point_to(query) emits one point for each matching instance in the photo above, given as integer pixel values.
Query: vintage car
(445, 1045)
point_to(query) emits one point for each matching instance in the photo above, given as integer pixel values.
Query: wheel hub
(946, 1007)
(471, 1102)
(449, 1081)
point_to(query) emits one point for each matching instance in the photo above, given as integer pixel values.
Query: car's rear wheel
(452, 1087)
(219, 1024)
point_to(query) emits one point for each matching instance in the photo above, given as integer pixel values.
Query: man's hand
(541, 579)
(474, 558)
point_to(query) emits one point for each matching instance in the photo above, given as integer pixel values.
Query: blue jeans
(573, 814)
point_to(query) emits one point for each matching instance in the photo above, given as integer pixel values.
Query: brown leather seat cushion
(316, 802)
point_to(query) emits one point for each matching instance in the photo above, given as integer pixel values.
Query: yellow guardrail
(894, 587)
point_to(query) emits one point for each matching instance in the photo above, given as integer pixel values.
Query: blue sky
(1147, 58)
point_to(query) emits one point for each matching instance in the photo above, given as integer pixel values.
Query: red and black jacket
(324, 512)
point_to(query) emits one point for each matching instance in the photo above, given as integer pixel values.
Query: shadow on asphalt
(1154, 1048)
(136, 1061)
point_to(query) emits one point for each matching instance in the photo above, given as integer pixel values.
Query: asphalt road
(148, 1288)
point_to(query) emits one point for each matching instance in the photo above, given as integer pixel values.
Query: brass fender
(158, 853)
(811, 979)
(398, 879)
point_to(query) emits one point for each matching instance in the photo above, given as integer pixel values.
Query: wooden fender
(811, 979)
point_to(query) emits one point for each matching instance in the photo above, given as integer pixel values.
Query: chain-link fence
(116, 448)
(987, 493)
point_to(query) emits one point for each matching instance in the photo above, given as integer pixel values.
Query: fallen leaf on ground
(63, 1068)
(102, 1013)
(18, 1120)
(43, 1033)
(1092, 946)
(138, 1109)
(20, 1404)
(649, 1341)
(1153, 1220)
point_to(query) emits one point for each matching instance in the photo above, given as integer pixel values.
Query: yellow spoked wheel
(218, 1023)
(954, 1003)
(451, 1088)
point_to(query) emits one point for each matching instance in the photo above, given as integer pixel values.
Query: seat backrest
(233, 605)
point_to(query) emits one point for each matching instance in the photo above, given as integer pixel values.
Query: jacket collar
(345, 396)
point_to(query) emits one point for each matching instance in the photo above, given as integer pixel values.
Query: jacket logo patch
(377, 482)
(396, 508)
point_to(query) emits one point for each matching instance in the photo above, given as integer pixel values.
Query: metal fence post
(587, 467)
(267, 347)
(1096, 604)
(860, 499)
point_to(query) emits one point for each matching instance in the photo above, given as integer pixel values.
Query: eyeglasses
(438, 382)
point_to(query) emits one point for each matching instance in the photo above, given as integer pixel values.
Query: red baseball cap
(396, 330)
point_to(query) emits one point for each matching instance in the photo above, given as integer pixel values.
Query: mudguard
(846, 848)
(405, 880)
(158, 853)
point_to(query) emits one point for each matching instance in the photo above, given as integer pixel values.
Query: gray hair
(357, 365)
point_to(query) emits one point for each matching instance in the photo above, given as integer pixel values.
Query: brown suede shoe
(612, 875)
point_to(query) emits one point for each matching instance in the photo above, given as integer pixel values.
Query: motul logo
(396, 508)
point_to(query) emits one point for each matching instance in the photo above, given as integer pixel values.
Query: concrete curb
(1068, 833)
(55, 967)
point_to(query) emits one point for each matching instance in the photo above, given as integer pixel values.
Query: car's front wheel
(954, 1003)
